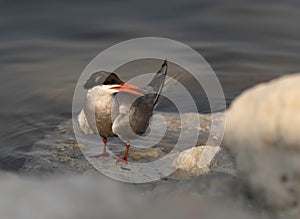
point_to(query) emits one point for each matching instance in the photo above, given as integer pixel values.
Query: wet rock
(262, 133)
(56, 153)
(150, 153)
(223, 162)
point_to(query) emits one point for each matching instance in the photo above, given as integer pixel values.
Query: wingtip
(165, 63)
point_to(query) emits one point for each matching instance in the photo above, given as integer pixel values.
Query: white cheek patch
(109, 88)
(103, 89)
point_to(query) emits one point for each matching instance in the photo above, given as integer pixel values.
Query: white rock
(262, 131)
(196, 160)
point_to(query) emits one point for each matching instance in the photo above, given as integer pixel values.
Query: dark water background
(45, 45)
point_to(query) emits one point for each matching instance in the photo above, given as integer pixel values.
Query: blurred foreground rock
(262, 131)
(98, 197)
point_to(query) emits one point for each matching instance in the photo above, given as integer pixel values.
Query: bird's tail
(158, 81)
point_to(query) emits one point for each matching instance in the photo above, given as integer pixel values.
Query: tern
(114, 108)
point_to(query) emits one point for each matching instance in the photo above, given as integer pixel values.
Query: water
(44, 46)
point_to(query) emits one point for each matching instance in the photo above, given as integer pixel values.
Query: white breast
(96, 115)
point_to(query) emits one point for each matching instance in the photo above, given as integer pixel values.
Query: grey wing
(131, 115)
(140, 113)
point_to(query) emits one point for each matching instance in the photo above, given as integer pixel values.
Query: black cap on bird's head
(116, 84)
(102, 78)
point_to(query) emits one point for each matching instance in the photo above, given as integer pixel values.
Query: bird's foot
(104, 154)
(122, 160)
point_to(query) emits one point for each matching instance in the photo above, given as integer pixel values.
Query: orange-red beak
(127, 88)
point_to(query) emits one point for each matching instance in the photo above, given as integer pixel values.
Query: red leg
(124, 158)
(104, 154)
